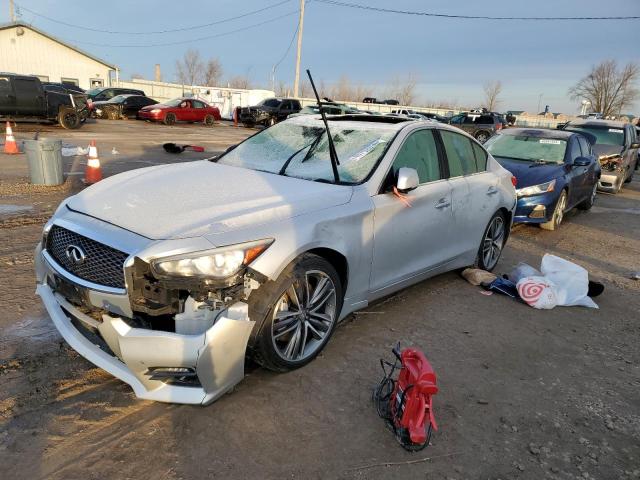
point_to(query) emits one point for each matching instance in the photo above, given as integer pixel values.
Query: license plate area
(70, 291)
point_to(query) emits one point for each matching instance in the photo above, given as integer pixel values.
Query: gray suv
(480, 126)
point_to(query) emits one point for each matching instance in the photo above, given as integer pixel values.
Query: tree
(239, 81)
(492, 91)
(402, 89)
(608, 89)
(212, 72)
(190, 69)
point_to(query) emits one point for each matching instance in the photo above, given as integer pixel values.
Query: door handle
(492, 191)
(443, 203)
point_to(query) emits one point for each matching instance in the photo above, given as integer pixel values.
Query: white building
(27, 50)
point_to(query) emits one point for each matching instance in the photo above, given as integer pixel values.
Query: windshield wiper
(332, 149)
(288, 161)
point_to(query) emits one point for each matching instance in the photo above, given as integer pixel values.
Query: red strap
(402, 197)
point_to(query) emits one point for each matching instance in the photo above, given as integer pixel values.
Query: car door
(409, 240)
(29, 96)
(576, 174)
(199, 111)
(475, 194)
(591, 175)
(129, 106)
(7, 96)
(184, 111)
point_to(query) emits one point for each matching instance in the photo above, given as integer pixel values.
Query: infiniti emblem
(75, 254)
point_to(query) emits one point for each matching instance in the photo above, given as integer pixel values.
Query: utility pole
(12, 13)
(296, 81)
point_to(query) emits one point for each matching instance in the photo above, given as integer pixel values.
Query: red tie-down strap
(432, 417)
(402, 197)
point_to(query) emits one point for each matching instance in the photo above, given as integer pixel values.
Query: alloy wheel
(493, 242)
(560, 207)
(304, 316)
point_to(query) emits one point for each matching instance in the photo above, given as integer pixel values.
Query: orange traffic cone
(10, 145)
(93, 172)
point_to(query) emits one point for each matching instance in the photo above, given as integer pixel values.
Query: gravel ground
(524, 394)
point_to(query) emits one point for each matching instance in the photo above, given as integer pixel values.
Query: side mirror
(407, 180)
(581, 162)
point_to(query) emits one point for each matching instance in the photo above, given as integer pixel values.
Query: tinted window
(26, 86)
(272, 102)
(574, 150)
(5, 85)
(147, 101)
(585, 148)
(197, 104)
(481, 157)
(457, 119)
(485, 120)
(419, 152)
(469, 119)
(459, 152)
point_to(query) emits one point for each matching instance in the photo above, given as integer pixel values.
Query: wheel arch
(337, 260)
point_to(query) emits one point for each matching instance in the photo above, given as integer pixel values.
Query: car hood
(603, 150)
(198, 198)
(528, 175)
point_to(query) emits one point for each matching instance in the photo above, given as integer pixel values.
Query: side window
(457, 120)
(26, 86)
(419, 152)
(460, 156)
(485, 120)
(469, 119)
(107, 95)
(197, 104)
(481, 157)
(5, 86)
(574, 150)
(585, 148)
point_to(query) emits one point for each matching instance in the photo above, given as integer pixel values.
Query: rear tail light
(514, 181)
(498, 126)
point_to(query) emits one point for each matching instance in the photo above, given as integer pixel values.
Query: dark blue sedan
(555, 172)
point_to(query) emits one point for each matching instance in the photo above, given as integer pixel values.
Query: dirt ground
(525, 394)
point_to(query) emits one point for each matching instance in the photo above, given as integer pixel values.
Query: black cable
(183, 29)
(468, 17)
(166, 44)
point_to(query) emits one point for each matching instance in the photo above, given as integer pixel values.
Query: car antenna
(332, 149)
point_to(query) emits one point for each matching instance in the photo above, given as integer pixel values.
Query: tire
(494, 238)
(292, 334)
(482, 136)
(631, 174)
(209, 120)
(588, 203)
(170, 119)
(68, 118)
(558, 213)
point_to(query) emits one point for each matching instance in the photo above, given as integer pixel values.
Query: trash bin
(45, 161)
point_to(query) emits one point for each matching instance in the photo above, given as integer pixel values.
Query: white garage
(27, 50)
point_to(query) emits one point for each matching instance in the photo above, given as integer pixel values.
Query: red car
(181, 110)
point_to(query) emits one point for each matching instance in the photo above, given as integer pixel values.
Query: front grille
(102, 264)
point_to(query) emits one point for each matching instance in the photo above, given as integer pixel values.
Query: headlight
(156, 110)
(537, 189)
(218, 263)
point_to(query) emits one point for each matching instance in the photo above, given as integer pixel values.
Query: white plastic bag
(561, 283)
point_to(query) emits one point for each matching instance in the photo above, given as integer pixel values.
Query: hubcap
(560, 209)
(304, 315)
(493, 243)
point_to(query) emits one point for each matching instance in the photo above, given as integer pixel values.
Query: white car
(168, 276)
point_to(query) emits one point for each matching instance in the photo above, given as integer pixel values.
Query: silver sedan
(167, 277)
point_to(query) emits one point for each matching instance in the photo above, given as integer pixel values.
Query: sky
(536, 61)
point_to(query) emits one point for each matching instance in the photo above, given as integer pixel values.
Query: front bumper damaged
(213, 359)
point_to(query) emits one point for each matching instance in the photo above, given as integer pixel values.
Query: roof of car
(592, 122)
(538, 132)
(363, 117)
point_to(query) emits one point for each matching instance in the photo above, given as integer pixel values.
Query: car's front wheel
(558, 213)
(493, 241)
(298, 313)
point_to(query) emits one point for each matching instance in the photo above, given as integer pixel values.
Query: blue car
(555, 171)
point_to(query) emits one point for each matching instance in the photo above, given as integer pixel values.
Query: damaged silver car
(167, 277)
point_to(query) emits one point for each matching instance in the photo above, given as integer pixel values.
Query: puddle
(8, 209)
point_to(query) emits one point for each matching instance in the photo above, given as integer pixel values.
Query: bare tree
(239, 81)
(282, 89)
(492, 91)
(402, 89)
(212, 73)
(190, 69)
(608, 89)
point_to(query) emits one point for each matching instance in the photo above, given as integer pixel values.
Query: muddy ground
(525, 394)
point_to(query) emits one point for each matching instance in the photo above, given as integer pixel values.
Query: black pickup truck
(24, 98)
(269, 112)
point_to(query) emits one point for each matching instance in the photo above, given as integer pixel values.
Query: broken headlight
(536, 189)
(218, 263)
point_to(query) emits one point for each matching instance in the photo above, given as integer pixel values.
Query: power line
(208, 37)
(183, 29)
(289, 47)
(468, 17)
